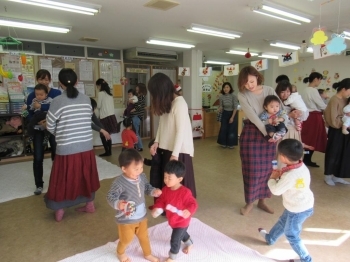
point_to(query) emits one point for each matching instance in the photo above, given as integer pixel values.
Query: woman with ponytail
(74, 177)
(338, 145)
(105, 104)
(313, 132)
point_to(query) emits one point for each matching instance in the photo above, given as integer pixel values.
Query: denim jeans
(178, 235)
(136, 121)
(228, 131)
(291, 225)
(38, 155)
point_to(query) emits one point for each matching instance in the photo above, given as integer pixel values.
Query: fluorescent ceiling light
(285, 45)
(274, 16)
(168, 43)
(235, 52)
(200, 29)
(347, 33)
(310, 50)
(70, 6)
(217, 62)
(284, 13)
(268, 56)
(33, 25)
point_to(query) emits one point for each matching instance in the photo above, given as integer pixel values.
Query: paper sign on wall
(184, 71)
(207, 88)
(260, 64)
(288, 59)
(205, 71)
(321, 51)
(231, 70)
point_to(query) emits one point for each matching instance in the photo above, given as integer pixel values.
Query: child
(127, 196)
(346, 119)
(323, 95)
(129, 137)
(178, 90)
(132, 99)
(293, 183)
(179, 205)
(273, 118)
(297, 103)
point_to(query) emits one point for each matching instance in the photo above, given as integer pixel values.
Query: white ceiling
(124, 24)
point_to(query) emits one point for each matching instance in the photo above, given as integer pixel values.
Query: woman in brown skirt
(174, 134)
(257, 149)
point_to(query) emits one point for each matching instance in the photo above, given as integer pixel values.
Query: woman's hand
(295, 114)
(133, 110)
(153, 148)
(105, 134)
(174, 158)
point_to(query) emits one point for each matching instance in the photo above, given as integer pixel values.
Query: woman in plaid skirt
(257, 149)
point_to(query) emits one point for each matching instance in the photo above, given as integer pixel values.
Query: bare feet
(187, 249)
(246, 209)
(123, 258)
(262, 205)
(152, 258)
(169, 260)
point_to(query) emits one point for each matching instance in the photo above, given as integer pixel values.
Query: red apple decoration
(20, 77)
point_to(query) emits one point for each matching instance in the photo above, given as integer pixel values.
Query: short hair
(312, 76)
(281, 78)
(243, 77)
(128, 156)
(175, 167)
(142, 89)
(41, 87)
(127, 122)
(271, 98)
(283, 86)
(320, 91)
(42, 74)
(132, 91)
(226, 84)
(93, 103)
(292, 149)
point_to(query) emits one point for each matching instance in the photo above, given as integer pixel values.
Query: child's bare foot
(262, 205)
(169, 260)
(152, 258)
(187, 249)
(246, 209)
(123, 258)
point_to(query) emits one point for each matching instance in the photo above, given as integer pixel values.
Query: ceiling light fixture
(235, 52)
(168, 43)
(268, 56)
(217, 62)
(206, 30)
(274, 16)
(285, 45)
(33, 25)
(309, 50)
(70, 6)
(347, 33)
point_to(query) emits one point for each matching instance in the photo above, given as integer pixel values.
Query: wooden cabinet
(241, 117)
(210, 124)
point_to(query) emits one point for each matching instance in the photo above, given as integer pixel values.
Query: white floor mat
(209, 245)
(17, 180)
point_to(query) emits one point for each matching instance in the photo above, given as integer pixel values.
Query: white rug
(209, 245)
(17, 180)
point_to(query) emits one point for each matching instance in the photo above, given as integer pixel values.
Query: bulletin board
(111, 72)
(84, 68)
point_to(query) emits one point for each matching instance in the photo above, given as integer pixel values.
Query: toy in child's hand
(129, 209)
(156, 212)
(173, 209)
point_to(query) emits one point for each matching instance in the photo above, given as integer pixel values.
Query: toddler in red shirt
(128, 135)
(179, 205)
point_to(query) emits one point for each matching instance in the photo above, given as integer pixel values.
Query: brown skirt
(110, 123)
(314, 132)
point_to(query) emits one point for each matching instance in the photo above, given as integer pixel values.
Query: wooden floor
(28, 231)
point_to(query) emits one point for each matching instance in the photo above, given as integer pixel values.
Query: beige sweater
(175, 130)
(105, 104)
(334, 112)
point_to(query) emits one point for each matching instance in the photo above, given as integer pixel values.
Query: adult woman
(228, 107)
(174, 134)
(313, 132)
(138, 112)
(257, 149)
(42, 77)
(105, 104)
(338, 145)
(74, 177)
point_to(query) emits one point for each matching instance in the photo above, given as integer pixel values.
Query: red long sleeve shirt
(128, 138)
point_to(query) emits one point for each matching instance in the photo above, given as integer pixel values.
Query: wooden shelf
(210, 124)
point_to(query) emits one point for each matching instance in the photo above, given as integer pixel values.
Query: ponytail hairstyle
(345, 83)
(104, 86)
(68, 78)
(312, 76)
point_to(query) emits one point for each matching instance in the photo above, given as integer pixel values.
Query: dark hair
(226, 84)
(93, 103)
(320, 91)
(283, 86)
(42, 74)
(128, 156)
(151, 143)
(271, 98)
(104, 86)
(41, 87)
(132, 91)
(127, 122)
(243, 77)
(100, 81)
(281, 78)
(312, 77)
(142, 89)
(162, 92)
(175, 167)
(292, 149)
(345, 83)
(68, 78)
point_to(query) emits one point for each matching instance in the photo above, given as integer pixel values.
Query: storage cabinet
(210, 124)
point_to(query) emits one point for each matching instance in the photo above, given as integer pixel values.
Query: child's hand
(275, 174)
(157, 192)
(24, 107)
(37, 105)
(153, 149)
(186, 213)
(157, 212)
(122, 204)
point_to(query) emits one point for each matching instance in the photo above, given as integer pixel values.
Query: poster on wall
(260, 65)
(184, 71)
(207, 88)
(205, 71)
(321, 51)
(231, 70)
(197, 122)
(288, 59)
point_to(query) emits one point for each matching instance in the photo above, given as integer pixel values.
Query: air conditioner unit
(139, 53)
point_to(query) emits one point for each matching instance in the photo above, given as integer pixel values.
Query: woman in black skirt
(337, 164)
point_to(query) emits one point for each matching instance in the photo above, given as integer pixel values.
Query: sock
(188, 242)
(262, 232)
